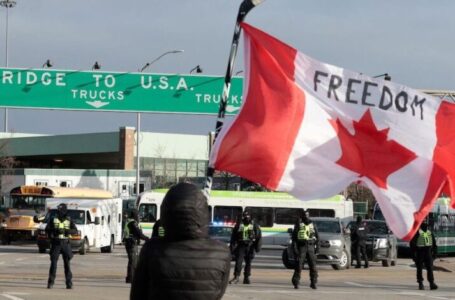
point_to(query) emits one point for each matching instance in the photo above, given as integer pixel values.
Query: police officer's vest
(425, 239)
(126, 230)
(58, 225)
(246, 233)
(361, 232)
(306, 232)
(160, 231)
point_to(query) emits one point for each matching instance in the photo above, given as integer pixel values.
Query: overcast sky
(412, 40)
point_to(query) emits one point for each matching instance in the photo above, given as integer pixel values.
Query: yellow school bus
(28, 201)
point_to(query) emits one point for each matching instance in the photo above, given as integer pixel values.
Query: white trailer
(98, 221)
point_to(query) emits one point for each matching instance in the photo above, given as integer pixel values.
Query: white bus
(275, 212)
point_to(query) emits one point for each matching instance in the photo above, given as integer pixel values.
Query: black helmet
(62, 210)
(359, 219)
(134, 214)
(246, 217)
(424, 225)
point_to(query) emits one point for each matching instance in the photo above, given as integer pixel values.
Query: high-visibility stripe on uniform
(425, 239)
(62, 225)
(161, 231)
(126, 229)
(306, 232)
(246, 232)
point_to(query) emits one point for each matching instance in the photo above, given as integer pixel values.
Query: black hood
(184, 213)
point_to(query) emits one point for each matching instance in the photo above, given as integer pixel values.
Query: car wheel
(84, 248)
(344, 261)
(110, 248)
(286, 262)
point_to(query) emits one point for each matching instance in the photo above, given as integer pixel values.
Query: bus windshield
(28, 203)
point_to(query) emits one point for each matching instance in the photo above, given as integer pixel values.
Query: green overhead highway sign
(110, 91)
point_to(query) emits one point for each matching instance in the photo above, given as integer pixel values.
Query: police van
(96, 214)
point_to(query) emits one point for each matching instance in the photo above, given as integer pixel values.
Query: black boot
(433, 286)
(421, 287)
(50, 285)
(234, 280)
(69, 286)
(295, 282)
(246, 280)
(313, 285)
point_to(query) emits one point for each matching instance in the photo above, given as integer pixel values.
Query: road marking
(12, 297)
(268, 256)
(370, 285)
(20, 259)
(439, 297)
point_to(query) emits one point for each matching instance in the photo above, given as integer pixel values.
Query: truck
(98, 221)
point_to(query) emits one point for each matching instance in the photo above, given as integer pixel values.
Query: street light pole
(138, 123)
(7, 4)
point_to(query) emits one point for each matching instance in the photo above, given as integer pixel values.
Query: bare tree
(7, 163)
(360, 193)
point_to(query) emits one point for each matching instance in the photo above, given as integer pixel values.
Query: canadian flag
(311, 129)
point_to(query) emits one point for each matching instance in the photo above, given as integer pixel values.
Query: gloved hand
(316, 249)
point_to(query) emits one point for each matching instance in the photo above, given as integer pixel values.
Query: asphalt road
(23, 275)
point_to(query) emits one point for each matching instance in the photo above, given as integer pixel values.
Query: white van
(99, 223)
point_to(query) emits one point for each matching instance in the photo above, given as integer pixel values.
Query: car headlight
(381, 243)
(335, 243)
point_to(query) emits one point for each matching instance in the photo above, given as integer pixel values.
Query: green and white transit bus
(441, 220)
(275, 212)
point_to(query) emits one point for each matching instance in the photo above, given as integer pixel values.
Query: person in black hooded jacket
(185, 263)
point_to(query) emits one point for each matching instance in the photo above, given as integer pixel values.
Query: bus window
(315, 212)
(287, 215)
(227, 214)
(147, 213)
(261, 215)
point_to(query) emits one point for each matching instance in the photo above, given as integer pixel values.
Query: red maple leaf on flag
(368, 152)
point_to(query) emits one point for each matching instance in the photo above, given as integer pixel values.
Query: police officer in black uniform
(423, 248)
(131, 236)
(358, 238)
(59, 229)
(158, 229)
(245, 241)
(305, 241)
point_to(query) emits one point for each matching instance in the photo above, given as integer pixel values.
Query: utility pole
(7, 4)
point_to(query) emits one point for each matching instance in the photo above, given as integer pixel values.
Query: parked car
(381, 244)
(334, 245)
(221, 232)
